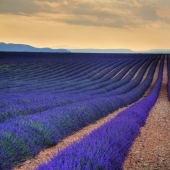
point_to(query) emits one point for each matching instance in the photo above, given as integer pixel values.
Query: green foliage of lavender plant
(28, 127)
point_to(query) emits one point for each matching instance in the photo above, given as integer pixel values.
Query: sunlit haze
(104, 24)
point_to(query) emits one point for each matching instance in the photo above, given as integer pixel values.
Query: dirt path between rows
(151, 150)
(45, 155)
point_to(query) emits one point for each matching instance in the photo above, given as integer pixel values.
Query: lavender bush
(34, 115)
(107, 147)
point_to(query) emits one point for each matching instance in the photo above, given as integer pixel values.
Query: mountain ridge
(28, 48)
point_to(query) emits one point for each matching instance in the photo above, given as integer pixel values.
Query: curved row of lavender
(168, 66)
(31, 107)
(35, 114)
(68, 76)
(107, 147)
(21, 109)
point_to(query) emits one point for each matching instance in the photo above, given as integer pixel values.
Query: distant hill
(163, 51)
(28, 48)
(102, 50)
(118, 51)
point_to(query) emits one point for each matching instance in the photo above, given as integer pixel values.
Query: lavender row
(76, 63)
(53, 78)
(36, 68)
(168, 67)
(120, 87)
(27, 96)
(107, 88)
(13, 84)
(41, 58)
(24, 109)
(95, 81)
(83, 75)
(34, 85)
(87, 76)
(107, 147)
(47, 71)
(83, 91)
(53, 71)
(77, 76)
(91, 80)
(32, 107)
(25, 86)
(67, 90)
(114, 83)
(25, 136)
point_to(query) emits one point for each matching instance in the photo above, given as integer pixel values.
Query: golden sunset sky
(104, 24)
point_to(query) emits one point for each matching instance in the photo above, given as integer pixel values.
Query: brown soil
(151, 150)
(45, 155)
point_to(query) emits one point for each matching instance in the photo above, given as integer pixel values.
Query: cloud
(147, 12)
(85, 21)
(93, 14)
(19, 7)
(108, 13)
(150, 13)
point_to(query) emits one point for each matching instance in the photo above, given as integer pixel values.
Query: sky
(102, 24)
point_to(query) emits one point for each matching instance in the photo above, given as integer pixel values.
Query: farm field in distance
(47, 97)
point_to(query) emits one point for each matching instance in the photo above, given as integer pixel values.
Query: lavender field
(46, 97)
